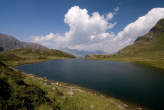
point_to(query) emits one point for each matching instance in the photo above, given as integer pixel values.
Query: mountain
(8, 42)
(82, 53)
(147, 49)
(150, 44)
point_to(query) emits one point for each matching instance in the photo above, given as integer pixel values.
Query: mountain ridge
(82, 53)
(147, 42)
(147, 49)
(8, 42)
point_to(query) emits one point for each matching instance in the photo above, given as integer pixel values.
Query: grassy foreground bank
(21, 91)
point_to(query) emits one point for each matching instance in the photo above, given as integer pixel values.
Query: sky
(89, 25)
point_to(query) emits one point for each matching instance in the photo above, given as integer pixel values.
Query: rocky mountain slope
(8, 42)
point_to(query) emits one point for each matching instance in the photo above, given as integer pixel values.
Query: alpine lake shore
(30, 92)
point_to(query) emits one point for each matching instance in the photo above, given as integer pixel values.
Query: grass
(145, 51)
(16, 94)
(149, 62)
(29, 92)
(27, 55)
(82, 98)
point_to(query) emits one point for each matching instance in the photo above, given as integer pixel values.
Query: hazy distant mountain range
(8, 42)
(81, 53)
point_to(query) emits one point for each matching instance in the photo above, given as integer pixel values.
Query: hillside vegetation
(147, 49)
(21, 91)
(29, 55)
(16, 94)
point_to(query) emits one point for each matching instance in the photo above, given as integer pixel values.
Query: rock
(70, 92)
(57, 84)
(92, 106)
(139, 108)
(125, 105)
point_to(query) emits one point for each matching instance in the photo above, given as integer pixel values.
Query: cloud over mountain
(90, 32)
(140, 27)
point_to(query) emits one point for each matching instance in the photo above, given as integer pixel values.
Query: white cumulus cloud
(140, 27)
(109, 16)
(90, 32)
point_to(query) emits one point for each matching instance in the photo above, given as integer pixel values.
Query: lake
(127, 81)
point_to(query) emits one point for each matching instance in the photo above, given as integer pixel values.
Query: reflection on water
(127, 81)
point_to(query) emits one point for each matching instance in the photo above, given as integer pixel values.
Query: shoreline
(74, 87)
(35, 61)
(136, 62)
(83, 89)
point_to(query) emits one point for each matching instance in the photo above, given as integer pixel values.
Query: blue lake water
(127, 81)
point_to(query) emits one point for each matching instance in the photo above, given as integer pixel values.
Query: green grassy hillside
(21, 91)
(16, 94)
(147, 49)
(28, 55)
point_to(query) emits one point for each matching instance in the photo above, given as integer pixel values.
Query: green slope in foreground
(147, 49)
(21, 91)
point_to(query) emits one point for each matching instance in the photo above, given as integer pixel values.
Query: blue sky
(26, 18)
